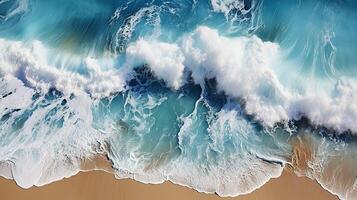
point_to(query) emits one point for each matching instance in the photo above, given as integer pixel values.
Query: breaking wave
(207, 94)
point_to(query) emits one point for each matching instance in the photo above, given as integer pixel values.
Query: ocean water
(207, 94)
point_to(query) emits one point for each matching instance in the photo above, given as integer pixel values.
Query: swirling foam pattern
(207, 94)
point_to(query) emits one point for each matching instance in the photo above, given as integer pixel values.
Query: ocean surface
(217, 95)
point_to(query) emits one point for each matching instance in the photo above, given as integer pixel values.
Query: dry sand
(98, 185)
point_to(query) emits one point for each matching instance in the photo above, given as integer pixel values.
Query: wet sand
(98, 182)
(95, 185)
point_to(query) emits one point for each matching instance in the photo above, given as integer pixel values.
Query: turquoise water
(207, 94)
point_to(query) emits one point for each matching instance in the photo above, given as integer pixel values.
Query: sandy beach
(97, 181)
(96, 185)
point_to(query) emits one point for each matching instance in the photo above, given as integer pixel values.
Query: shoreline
(98, 184)
(96, 180)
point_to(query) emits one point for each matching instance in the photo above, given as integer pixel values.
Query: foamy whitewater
(206, 94)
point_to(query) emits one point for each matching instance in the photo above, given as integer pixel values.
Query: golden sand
(302, 154)
(98, 185)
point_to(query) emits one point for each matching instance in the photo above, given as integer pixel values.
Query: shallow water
(208, 94)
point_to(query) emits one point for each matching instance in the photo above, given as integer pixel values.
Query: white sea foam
(249, 68)
(333, 166)
(229, 171)
(244, 67)
(239, 12)
(226, 6)
(47, 146)
(125, 31)
(33, 64)
(166, 60)
(234, 171)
